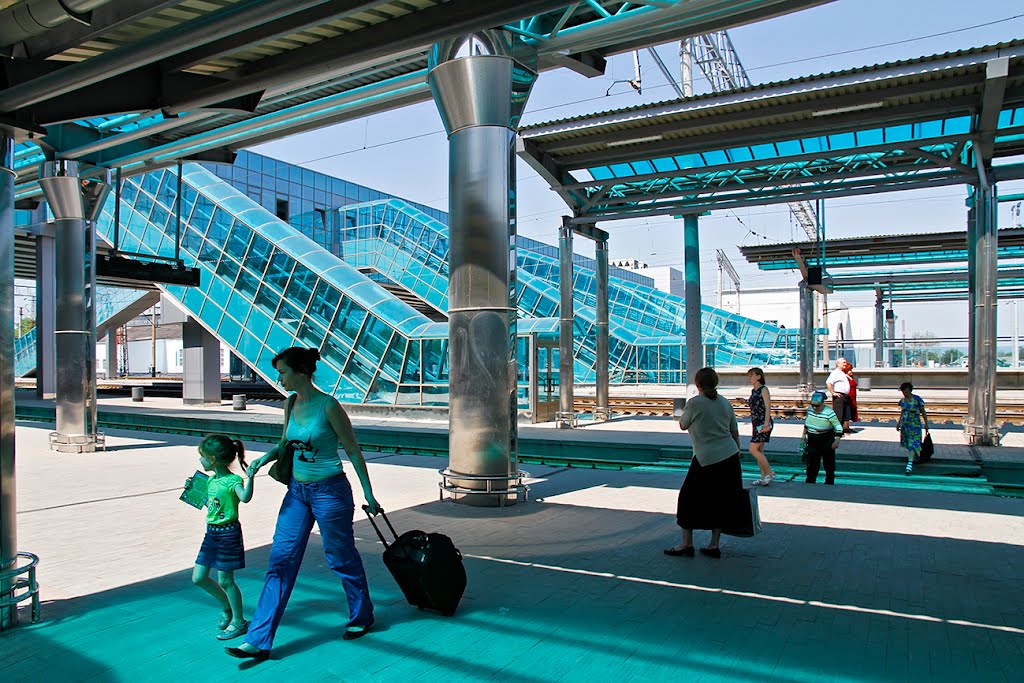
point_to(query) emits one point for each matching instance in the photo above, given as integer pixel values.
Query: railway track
(781, 408)
(876, 411)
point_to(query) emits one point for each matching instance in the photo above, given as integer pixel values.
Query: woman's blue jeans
(329, 503)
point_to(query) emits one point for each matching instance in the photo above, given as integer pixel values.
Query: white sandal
(233, 630)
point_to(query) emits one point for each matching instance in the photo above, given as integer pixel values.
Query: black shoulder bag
(281, 470)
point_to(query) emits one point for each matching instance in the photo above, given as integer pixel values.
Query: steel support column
(691, 293)
(46, 320)
(982, 222)
(566, 417)
(8, 508)
(480, 84)
(806, 351)
(200, 360)
(602, 411)
(879, 329)
(75, 204)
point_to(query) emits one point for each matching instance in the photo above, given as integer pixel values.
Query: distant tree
(951, 356)
(27, 325)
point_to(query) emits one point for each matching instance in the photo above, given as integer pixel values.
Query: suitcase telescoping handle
(366, 509)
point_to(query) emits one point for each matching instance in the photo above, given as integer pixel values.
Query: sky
(404, 152)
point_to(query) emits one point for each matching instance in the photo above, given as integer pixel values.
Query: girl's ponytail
(239, 452)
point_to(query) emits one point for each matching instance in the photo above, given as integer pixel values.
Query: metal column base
(567, 420)
(509, 492)
(22, 584)
(982, 436)
(85, 443)
(602, 414)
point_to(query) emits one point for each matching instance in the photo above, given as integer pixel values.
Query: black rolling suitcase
(427, 567)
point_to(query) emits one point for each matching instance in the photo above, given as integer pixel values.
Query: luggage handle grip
(366, 509)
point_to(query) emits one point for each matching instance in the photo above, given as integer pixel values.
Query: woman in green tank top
(318, 492)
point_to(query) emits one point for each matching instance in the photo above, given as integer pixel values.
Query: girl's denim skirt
(223, 548)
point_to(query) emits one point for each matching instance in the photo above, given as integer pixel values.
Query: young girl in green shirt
(223, 548)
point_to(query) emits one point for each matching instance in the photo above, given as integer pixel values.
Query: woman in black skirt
(713, 488)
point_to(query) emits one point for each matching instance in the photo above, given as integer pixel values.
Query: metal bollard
(137, 393)
(238, 401)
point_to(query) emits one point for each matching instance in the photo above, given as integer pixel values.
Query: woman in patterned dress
(912, 419)
(760, 404)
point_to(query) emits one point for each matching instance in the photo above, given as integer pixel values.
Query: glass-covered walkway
(266, 286)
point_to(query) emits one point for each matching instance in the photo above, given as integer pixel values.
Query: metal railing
(23, 584)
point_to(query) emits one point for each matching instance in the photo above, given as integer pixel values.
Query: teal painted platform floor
(848, 583)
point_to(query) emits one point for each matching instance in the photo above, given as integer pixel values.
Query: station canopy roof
(892, 262)
(923, 122)
(880, 250)
(140, 84)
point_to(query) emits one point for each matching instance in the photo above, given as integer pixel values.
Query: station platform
(871, 456)
(846, 583)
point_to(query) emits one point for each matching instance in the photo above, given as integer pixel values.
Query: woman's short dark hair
(706, 380)
(299, 359)
(906, 385)
(759, 372)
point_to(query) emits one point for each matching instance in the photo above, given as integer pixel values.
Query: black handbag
(747, 520)
(927, 448)
(281, 470)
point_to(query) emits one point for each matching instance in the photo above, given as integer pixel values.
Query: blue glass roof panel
(740, 154)
(665, 164)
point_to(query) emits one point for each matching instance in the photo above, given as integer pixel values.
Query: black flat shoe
(679, 552)
(711, 552)
(258, 655)
(352, 635)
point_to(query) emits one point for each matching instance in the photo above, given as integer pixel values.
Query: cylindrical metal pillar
(879, 329)
(566, 417)
(75, 204)
(806, 339)
(46, 302)
(602, 411)
(691, 293)
(8, 509)
(981, 427)
(480, 91)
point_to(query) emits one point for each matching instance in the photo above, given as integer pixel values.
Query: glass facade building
(289, 256)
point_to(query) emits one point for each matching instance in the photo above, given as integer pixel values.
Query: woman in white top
(711, 493)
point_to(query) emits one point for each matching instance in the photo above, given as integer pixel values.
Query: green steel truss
(934, 121)
(147, 86)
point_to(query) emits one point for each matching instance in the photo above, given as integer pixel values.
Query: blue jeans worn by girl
(329, 503)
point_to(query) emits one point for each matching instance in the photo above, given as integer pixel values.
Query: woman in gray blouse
(712, 491)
